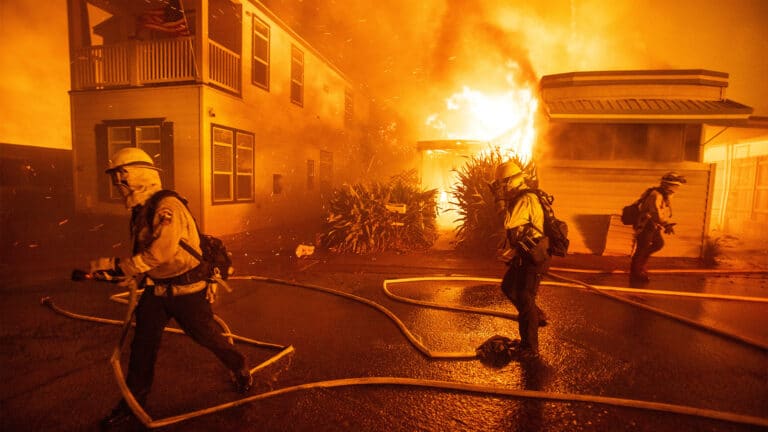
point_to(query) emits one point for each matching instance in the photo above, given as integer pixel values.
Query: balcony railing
(138, 63)
(166, 60)
(224, 67)
(101, 66)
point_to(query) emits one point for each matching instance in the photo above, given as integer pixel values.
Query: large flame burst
(505, 120)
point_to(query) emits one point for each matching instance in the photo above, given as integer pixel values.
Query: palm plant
(358, 220)
(419, 229)
(480, 227)
(481, 223)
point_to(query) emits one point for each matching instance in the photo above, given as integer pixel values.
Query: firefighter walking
(175, 286)
(655, 218)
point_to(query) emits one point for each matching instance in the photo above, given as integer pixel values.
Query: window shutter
(102, 162)
(166, 149)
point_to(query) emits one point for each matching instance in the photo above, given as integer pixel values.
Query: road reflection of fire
(502, 122)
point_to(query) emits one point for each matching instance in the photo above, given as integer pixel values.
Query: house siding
(179, 105)
(286, 135)
(589, 196)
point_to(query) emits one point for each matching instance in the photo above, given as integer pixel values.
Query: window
(349, 109)
(244, 164)
(260, 63)
(151, 135)
(310, 174)
(297, 76)
(760, 207)
(232, 156)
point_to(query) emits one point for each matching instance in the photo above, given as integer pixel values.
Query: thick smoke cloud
(417, 53)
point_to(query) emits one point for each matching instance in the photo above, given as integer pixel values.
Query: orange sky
(34, 64)
(414, 54)
(401, 47)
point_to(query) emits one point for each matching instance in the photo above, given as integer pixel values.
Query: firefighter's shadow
(593, 229)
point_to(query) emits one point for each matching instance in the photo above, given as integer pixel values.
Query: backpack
(555, 229)
(215, 260)
(631, 213)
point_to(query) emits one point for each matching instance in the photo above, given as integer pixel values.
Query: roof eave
(648, 118)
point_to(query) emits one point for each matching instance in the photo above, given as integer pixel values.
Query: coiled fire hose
(400, 381)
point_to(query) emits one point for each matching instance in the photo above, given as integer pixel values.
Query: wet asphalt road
(56, 374)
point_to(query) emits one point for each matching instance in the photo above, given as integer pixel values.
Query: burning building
(246, 119)
(605, 137)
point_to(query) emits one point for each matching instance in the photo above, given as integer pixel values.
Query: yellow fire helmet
(507, 170)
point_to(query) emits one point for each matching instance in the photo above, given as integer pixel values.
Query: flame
(505, 120)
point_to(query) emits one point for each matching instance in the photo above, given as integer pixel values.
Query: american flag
(169, 19)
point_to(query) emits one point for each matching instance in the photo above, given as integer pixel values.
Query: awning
(640, 110)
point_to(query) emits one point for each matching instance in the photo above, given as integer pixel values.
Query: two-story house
(245, 118)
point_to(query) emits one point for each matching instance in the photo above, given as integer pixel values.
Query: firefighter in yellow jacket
(525, 253)
(174, 286)
(655, 217)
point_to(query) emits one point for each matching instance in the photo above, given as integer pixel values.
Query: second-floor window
(310, 174)
(232, 156)
(349, 108)
(260, 63)
(297, 76)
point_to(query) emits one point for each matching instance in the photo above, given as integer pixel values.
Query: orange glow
(504, 120)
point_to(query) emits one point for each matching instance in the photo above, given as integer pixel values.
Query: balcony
(138, 63)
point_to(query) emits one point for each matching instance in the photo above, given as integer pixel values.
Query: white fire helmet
(510, 173)
(134, 174)
(672, 179)
(130, 156)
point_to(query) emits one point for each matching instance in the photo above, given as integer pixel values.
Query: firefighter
(525, 252)
(655, 217)
(173, 285)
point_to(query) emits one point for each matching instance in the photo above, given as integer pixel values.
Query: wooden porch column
(79, 30)
(201, 41)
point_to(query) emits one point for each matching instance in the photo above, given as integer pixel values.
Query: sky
(34, 74)
(417, 53)
(413, 55)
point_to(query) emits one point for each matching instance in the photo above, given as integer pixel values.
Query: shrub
(713, 249)
(481, 224)
(480, 227)
(358, 220)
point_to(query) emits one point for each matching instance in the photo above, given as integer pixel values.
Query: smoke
(413, 55)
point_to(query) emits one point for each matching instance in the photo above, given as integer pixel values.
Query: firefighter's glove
(106, 269)
(669, 228)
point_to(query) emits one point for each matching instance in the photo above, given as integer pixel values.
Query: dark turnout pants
(649, 241)
(194, 314)
(520, 284)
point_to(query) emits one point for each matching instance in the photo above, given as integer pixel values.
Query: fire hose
(398, 381)
(600, 290)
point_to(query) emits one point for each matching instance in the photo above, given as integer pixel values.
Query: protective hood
(137, 184)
